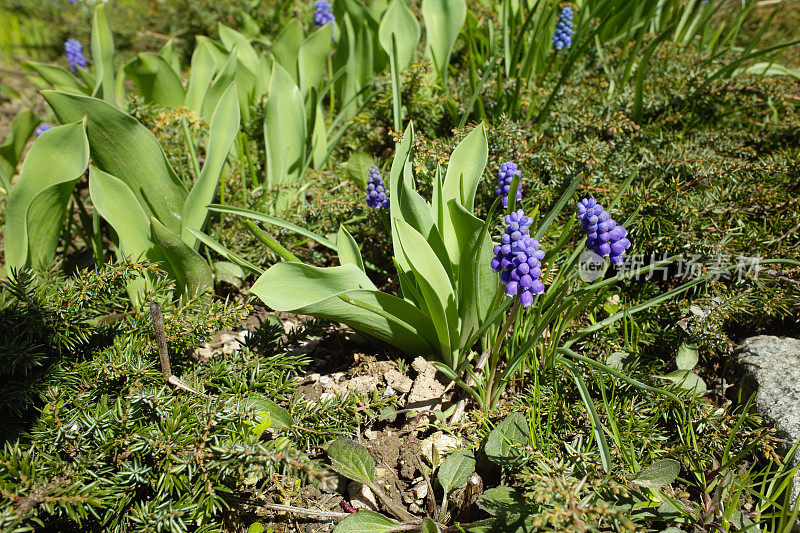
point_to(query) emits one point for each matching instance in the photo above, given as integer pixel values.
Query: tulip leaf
(224, 78)
(310, 290)
(347, 248)
(58, 157)
(399, 21)
(222, 133)
(202, 72)
(312, 57)
(128, 151)
(358, 168)
(443, 22)
(59, 77)
(191, 270)
(465, 168)
(155, 80)
(287, 45)
(103, 56)
(21, 129)
(284, 129)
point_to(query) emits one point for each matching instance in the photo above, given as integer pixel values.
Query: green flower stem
(492, 370)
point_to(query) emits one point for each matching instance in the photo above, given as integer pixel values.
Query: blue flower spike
(323, 14)
(604, 237)
(519, 260)
(504, 179)
(376, 190)
(74, 51)
(562, 38)
(42, 128)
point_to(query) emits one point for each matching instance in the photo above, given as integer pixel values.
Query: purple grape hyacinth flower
(562, 38)
(519, 260)
(74, 51)
(323, 14)
(603, 236)
(504, 178)
(376, 190)
(42, 128)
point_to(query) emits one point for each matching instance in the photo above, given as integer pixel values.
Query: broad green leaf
(284, 129)
(59, 156)
(503, 500)
(255, 527)
(190, 269)
(169, 54)
(435, 286)
(202, 71)
(60, 78)
(225, 76)
(312, 57)
(661, 473)
(358, 168)
(103, 56)
(45, 221)
(310, 290)
(236, 42)
(352, 460)
(443, 22)
(456, 469)
(365, 521)
(115, 202)
(155, 80)
(127, 150)
(21, 129)
(287, 45)
(402, 155)
(399, 21)
(222, 133)
(505, 441)
(428, 526)
(347, 248)
(688, 356)
(228, 272)
(269, 414)
(687, 380)
(319, 139)
(465, 168)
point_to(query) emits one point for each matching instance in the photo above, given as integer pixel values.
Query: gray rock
(771, 369)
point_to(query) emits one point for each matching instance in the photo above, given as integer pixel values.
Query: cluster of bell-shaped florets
(603, 236)
(504, 179)
(74, 51)
(562, 38)
(519, 260)
(323, 14)
(376, 190)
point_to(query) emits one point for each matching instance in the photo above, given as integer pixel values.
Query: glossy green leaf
(319, 139)
(190, 269)
(103, 56)
(399, 21)
(169, 54)
(465, 168)
(402, 158)
(203, 69)
(222, 133)
(287, 45)
(456, 470)
(60, 78)
(435, 286)
(365, 521)
(155, 80)
(59, 156)
(284, 129)
(443, 22)
(45, 222)
(235, 41)
(358, 168)
(661, 473)
(504, 443)
(225, 76)
(22, 127)
(352, 460)
(312, 58)
(310, 290)
(127, 150)
(347, 248)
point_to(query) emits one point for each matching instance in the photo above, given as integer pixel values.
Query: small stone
(361, 497)
(413, 508)
(420, 490)
(426, 392)
(388, 391)
(370, 435)
(398, 381)
(444, 445)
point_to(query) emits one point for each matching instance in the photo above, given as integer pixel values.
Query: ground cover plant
(394, 266)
